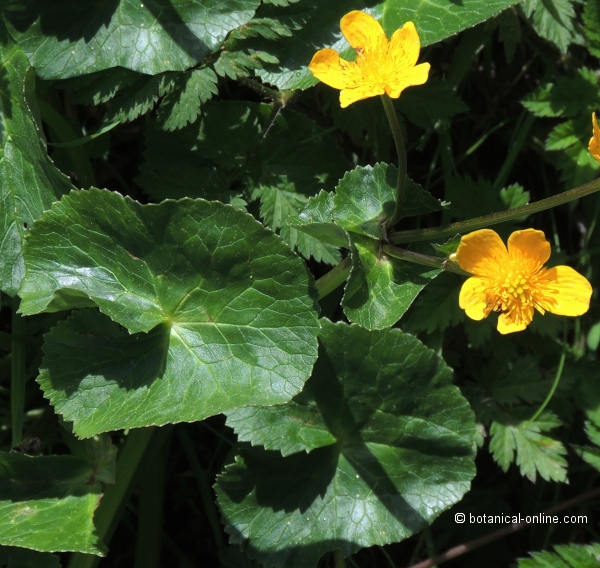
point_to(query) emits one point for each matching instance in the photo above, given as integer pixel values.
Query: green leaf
(75, 37)
(514, 382)
(99, 87)
(435, 20)
(245, 143)
(562, 136)
(577, 166)
(568, 97)
(316, 219)
(591, 26)
(469, 198)
(575, 162)
(514, 196)
(509, 32)
(437, 307)
(15, 557)
(29, 182)
(590, 454)
(404, 453)
(535, 453)
(279, 158)
(449, 247)
(229, 308)
(98, 451)
(290, 428)
(47, 503)
(279, 208)
(565, 556)
(182, 106)
(366, 196)
(554, 21)
(140, 97)
(380, 289)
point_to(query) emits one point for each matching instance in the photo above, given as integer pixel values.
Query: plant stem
(495, 218)
(17, 379)
(424, 259)
(461, 549)
(116, 496)
(338, 559)
(334, 278)
(65, 133)
(548, 398)
(208, 499)
(390, 112)
(150, 508)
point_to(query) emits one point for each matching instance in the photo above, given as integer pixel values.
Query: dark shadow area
(72, 21)
(285, 484)
(89, 344)
(170, 20)
(23, 478)
(83, 19)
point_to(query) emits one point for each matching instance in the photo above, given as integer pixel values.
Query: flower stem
(390, 112)
(18, 379)
(334, 278)
(548, 398)
(424, 259)
(495, 218)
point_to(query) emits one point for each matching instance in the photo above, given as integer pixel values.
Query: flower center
(514, 293)
(374, 66)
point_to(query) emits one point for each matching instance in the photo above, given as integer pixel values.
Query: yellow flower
(594, 146)
(380, 66)
(514, 281)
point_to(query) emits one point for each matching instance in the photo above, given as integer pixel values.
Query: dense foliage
(215, 352)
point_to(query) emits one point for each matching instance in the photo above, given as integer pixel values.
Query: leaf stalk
(495, 218)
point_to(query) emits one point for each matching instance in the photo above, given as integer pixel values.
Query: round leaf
(403, 454)
(228, 310)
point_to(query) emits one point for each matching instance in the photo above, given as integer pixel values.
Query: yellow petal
(483, 253)
(404, 47)
(564, 292)
(363, 32)
(594, 145)
(364, 91)
(408, 78)
(506, 325)
(531, 247)
(327, 66)
(473, 298)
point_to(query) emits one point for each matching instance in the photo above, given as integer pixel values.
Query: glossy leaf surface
(403, 453)
(29, 182)
(226, 310)
(47, 503)
(73, 37)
